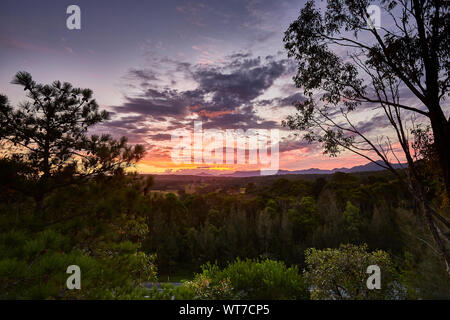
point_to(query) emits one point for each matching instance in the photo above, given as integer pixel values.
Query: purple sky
(157, 65)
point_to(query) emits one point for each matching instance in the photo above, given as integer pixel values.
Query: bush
(250, 279)
(95, 226)
(33, 266)
(204, 288)
(340, 274)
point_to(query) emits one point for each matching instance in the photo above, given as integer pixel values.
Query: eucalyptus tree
(347, 65)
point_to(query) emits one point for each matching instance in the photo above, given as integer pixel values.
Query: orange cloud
(214, 114)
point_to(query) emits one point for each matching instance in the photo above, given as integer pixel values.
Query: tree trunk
(441, 134)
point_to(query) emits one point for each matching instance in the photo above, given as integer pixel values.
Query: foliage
(107, 224)
(377, 68)
(66, 200)
(205, 288)
(353, 221)
(410, 54)
(33, 266)
(250, 279)
(341, 273)
(48, 138)
(117, 229)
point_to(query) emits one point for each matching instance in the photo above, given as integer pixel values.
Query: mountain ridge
(370, 166)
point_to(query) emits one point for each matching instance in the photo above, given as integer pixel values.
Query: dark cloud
(127, 122)
(160, 136)
(224, 98)
(239, 55)
(288, 101)
(376, 122)
(239, 82)
(240, 121)
(295, 143)
(156, 104)
(292, 99)
(145, 75)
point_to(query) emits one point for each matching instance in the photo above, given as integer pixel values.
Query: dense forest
(121, 234)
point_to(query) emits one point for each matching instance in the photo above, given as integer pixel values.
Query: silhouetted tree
(407, 56)
(49, 137)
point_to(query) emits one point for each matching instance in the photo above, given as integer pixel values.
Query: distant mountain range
(362, 168)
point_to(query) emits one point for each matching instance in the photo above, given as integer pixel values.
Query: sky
(158, 66)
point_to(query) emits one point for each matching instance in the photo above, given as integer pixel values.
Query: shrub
(250, 279)
(205, 288)
(340, 274)
(33, 266)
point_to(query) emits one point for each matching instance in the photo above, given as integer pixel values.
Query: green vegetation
(341, 273)
(66, 199)
(252, 279)
(258, 242)
(118, 234)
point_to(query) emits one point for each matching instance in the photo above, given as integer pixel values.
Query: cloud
(295, 143)
(223, 97)
(144, 75)
(239, 82)
(160, 136)
(242, 92)
(281, 102)
(380, 121)
(156, 103)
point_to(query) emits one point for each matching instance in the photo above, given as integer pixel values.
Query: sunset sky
(159, 65)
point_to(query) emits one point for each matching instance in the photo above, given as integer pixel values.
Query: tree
(341, 273)
(382, 69)
(250, 279)
(303, 217)
(99, 227)
(353, 221)
(48, 137)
